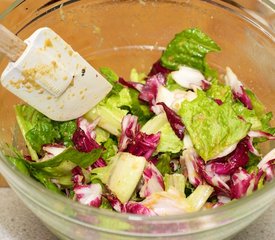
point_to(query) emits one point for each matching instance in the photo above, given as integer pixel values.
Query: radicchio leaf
(138, 208)
(52, 150)
(190, 78)
(152, 181)
(242, 183)
(136, 142)
(174, 120)
(258, 134)
(134, 85)
(144, 144)
(87, 127)
(189, 161)
(229, 164)
(150, 89)
(267, 165)
(90, 195)
(219, 182)
(237, 88)
(158, 68)
(129, 130)
(99, 163)
(78, 177)
(82, 142)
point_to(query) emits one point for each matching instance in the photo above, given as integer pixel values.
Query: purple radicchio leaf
(205, 85)
(190, 78)
(158, 68)
(134, 85)
(98, 163)
(90, 195)
(222, 200)
(114, 202)
(237, 88)
(218, 181)
(189, 162)
(150, 89)
(152, 181)
(128, 207)
(87, 127)
(52, 150)
(129, 130)
(229, 164)
(78, 177)
(258, 134)
(218, 101)
(174, 120)
(82, 142)
(267, 165)
(242, 183)
(136, 142)
(138, 208)
(144, 144)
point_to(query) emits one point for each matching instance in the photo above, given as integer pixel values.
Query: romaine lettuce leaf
(163, 164)
(221, 92)
(212, 128)
(70, 154)
(112, 78)
(169, 142)
(39, 130)
(189, 48)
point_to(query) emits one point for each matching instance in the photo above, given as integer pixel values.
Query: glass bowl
(127, 34)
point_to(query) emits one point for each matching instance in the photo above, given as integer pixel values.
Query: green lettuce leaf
(221, 92)
(81, 159)
(169, 142)
(163, 164)
(39, 130)
(212, 128)
(112, 78)
(20, 163)
(189, 48)
(110, 149)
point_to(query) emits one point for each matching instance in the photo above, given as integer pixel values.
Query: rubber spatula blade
(49, 75)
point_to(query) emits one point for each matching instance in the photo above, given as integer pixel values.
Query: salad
(179, 139)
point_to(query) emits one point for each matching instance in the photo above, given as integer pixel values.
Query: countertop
(19, 223)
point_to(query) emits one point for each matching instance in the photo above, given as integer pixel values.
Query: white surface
(18, 223)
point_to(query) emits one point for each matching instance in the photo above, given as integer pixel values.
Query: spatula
(49, 75)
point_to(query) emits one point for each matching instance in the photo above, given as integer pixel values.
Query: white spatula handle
(11, 45)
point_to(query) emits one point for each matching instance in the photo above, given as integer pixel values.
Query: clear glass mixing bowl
(127, 34)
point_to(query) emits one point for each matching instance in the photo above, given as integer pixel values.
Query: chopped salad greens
(176, 140)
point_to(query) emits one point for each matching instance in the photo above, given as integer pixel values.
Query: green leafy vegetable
(163, 164)
(221, 92)
(39, 130)
(112, 78)
(175, 180)
(110, 117)
(101, 135)
(169, 142)
(212, 128)
(21, 164)
(189, 48)
(70, 154)
(44, 179)
(121, 175)
(135, 76)
(110, 149)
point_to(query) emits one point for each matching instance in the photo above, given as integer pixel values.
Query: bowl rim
(269, 187)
